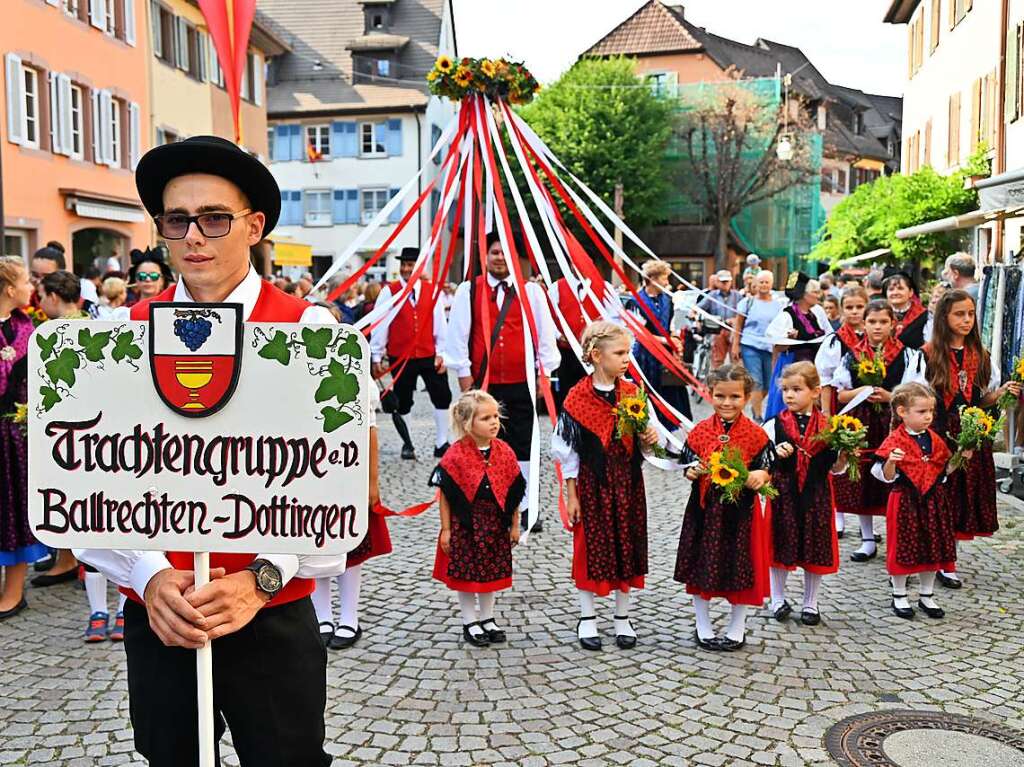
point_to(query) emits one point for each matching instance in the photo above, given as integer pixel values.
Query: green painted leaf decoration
(316, 342)
(351, 348)
(277, 349)
(334, 418)
(63, 367)
(125, 346)
(338, 385)
(50, 397)
(93, 345)
(46, 344)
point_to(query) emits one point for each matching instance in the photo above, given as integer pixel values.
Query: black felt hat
(213, 155)
(409, 254)
(796, 286)
(899, 271)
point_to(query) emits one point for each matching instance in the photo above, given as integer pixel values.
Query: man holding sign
(211, 202)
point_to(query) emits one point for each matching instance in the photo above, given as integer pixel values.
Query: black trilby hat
(409, 254)
(796, 286)
(213, 155)
(899, 271)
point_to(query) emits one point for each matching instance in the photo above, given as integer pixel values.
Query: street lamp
(784, 149)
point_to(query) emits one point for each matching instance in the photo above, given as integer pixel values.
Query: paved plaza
(412, 692)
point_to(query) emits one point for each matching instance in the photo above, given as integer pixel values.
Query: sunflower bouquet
(728, 472)
(1008, 400)
(20, 416)
(848, 436)
(976, 428)
(37, 315)
(632, 417)
(871, 371)
(497, 78)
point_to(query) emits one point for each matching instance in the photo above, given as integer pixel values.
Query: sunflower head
(973, 412)
(488, 67)
(21, 412)
(1020, 368)
(852, 424)
(463, 76)
(444, 64)
(723, 475)
(866, 367)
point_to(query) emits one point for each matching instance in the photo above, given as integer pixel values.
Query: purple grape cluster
(193, 331)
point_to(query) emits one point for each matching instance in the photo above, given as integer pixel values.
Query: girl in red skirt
(481, 489)
(830, 356)
(346, 631)
(604, 484)
(961, 373)
(902, 365)
(723, 547)
(803, 532)
(913, 461)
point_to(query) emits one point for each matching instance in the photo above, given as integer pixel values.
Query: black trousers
(437, 384)
(570, 373)
(517, 416)
(269, 683)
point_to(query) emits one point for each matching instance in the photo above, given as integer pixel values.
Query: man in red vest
(504, 369)
(212, 202)
(410, 332)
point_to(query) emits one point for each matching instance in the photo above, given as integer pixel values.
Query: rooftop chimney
(675, 6)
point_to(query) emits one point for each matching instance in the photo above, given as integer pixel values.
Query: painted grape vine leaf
(316, 342)
(125, 346)
(93, 345)
(277, 349)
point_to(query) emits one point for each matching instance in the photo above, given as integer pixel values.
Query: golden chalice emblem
(193, 375)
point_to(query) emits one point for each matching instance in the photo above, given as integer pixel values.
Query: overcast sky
(847, 41)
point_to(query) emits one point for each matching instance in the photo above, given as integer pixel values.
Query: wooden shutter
(953, 136)
(1012, 74)
(97, 130)
(129, 22)
(98, 14)
(394, 143)
(975, 114)
(64, 117)
(910, 50)
(936, 23)
(928, 143)
(257, 78)
(134, 135)
(15, 99)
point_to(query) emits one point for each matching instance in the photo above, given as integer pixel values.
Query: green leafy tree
(608, 131)
(870, 217)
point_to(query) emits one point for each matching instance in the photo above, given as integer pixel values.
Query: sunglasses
(148, 276)
(174, 226)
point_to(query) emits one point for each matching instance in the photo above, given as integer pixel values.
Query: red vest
(411, 328)
(273, 305)
(570, 307)
(507, 364)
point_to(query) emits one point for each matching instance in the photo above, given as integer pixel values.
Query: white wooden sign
(198, 432)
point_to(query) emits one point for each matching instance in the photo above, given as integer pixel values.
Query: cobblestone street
(412, 692)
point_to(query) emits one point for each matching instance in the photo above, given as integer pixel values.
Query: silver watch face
(269, 579)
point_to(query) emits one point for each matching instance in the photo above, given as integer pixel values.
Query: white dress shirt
(783, 323)
(456, 346)
(134, 569)
(913, 373)
(379, 335)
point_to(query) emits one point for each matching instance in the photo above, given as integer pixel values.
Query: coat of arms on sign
(195, 355)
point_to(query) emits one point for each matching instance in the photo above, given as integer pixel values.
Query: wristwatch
(268, 576)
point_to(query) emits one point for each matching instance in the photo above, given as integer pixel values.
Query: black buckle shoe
(476, 641)
(625, 641)
(931, 612)
(408, 453)
(343, 643)
(907, 613)
(860, 556)
(712, 645)
(810, 618)
(731, 645)
(588, 643)
(947, 582)
(440, 451)
(494, 635)
(326, 632)
(44, 564)
(784, 611)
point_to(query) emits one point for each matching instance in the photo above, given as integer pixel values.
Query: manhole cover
(899, 738)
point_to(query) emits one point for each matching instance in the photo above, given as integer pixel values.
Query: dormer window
(858, 122)
(377, 19)
(822, 117)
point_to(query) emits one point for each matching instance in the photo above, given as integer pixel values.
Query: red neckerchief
(848, 336)
(709, 436)
(890, 350)
(916, 310)
(806, 444)
(922, 471)
(594, 413)
(961, 379)
(465, 464)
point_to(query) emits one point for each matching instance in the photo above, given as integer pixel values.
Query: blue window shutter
(297, 209)
(435, 203)
(280, 148)
(283, 218)
(338, 206)
(352, 206)
(349, 146)
(337, 139)
(394, 138)
(396, 214)
(295, 142)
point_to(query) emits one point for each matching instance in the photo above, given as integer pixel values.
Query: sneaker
(96, 629)
(117, 633)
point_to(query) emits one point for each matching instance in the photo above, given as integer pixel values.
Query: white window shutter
(203, 63)
(53, 2)
(106, 129)
(55, 145)
(133, 135)
(64, 101)
(98, 14)
(15, 99)
(129, 22)
(182, 52)
(257, 79)
(97, 133)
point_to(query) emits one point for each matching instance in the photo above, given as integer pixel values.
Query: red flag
(230, 22)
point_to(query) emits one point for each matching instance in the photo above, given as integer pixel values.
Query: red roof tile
(652, 29)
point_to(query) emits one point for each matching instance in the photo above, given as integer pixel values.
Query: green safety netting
(784, 226)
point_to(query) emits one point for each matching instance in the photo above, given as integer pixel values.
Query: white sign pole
(204, 673)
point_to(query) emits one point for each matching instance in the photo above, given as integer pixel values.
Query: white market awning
(963, 221)
(871, 255)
